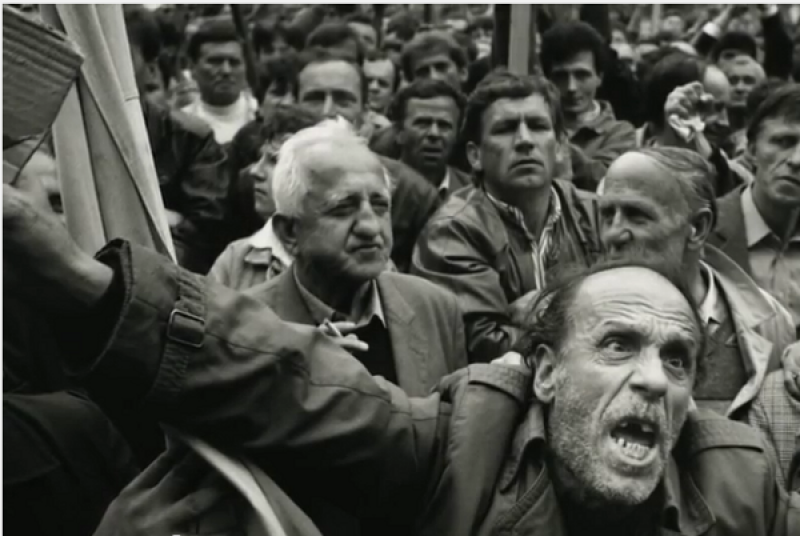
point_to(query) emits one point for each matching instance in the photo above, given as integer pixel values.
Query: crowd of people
(424, 294)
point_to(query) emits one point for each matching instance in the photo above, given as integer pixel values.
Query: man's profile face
(331, 89)
(743, 75)
(437, 67)
(381, 79)
(219, 72)
(622, 385)
(429, 133)
(346, 228)
(716, 84)
(577, 81)
(777, 155)
(642, 207)
(518, 145)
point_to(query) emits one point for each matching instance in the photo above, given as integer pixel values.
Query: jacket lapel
(287, 301)
(749, 311)
(730, 235)
(407, 338)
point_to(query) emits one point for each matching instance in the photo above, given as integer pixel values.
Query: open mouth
(635, 439)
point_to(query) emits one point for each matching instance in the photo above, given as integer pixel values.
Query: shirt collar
(265, 240)
(553, 212)
(366, 305)
(445, 185)
(756, 229)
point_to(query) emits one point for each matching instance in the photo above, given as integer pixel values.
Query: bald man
(661, 200)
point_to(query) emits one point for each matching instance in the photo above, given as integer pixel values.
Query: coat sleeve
(221, 366)
(455, 257)
(590, 168)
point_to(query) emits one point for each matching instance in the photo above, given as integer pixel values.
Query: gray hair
(694, 174)
(291, 178)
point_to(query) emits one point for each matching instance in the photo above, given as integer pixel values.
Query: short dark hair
(286, 119)
(547, 321)
(143, 31)
(424, 89)
(428, 44)
(216, 30)
(314, 55)
(503, 84)
(280, 71)
(760, 93)
(784, 103)
(359, 18)
(404, 24)
(695, 175)
(334, 34)
(264, 34)
(485, 22)
(741, 41)
(566, 39)
(381, 55)
(674, 70)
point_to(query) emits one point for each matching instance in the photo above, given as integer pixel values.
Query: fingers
(509, 358)
(351, 343)
(157, 470)
(208, 493)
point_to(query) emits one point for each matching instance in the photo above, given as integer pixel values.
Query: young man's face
(219, 72)
(577, 80)
(519, 147)
(744, 75)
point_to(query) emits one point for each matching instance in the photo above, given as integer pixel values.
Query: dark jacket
(467, 460)
(595, 145)
(193, 176)
(484, 258)
(63, 464)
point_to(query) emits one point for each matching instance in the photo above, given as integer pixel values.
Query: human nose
(572, 83)
(794, 159)
(225, 67)
(615, 233)
(328, 108)
(368, 223)
(524, 138)
(649, 378)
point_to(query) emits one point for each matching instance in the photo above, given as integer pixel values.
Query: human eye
(677, 357)
(618, 345)
(380, 205)
(313, 96)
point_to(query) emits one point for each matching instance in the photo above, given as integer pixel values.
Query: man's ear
(545, 375)
(702, 227)
(474, 156)
(286, 230)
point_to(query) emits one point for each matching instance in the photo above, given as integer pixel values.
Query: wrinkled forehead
(635, 299)
(332, 160)
(638, 175)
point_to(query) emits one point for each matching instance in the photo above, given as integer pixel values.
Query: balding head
(744, 74)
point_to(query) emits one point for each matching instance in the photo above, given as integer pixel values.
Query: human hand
(174, 218)
(176, 489)
(341, 333)
(43, 262)
(685, 109)
(509, 358)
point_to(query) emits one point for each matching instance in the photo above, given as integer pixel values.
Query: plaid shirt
(545, 250)
(777, 414)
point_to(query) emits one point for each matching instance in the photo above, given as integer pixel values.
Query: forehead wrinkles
(640, 176)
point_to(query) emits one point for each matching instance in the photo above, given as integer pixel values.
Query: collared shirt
(444, 187)
(267, 249)
(775, 265)
(366, 305)
(543, 250)
(225, 121)
(713, 309)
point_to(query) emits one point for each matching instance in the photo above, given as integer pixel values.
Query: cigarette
(332, 329)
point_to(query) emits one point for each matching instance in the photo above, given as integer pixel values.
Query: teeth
(634, 450)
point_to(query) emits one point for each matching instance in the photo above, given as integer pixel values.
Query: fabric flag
(105, 165)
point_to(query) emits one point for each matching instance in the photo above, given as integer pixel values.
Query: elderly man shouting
(607, 445)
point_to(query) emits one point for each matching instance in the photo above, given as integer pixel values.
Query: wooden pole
(502, 33)
(377, 22)
(519, 52)
(247, 49)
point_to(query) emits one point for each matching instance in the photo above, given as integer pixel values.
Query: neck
(573, 120)
(783, 220)
(335, 292)
(534, 205)
(585, 513)
(220, 106)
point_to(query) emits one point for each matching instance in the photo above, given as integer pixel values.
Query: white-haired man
(333, 212)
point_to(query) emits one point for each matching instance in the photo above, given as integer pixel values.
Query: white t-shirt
(225, 121)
